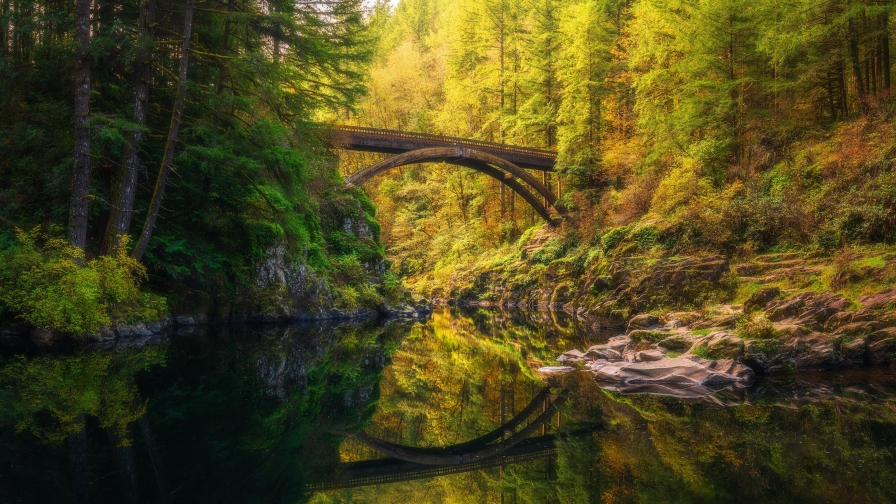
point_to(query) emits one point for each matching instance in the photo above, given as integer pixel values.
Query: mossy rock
(651, 336)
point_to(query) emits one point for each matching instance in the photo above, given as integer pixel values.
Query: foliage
(51, 285)
(252, 172)
(756, 327)
(50, 393)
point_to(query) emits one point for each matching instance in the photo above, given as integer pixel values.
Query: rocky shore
(19, 336)
(772, 314)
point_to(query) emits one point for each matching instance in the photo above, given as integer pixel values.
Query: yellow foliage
(54, 287)
(678, 188)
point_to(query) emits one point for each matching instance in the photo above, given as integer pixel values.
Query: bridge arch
(500, 169)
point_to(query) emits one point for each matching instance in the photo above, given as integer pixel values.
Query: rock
(808, 309)
(555, 369)
(602, 352)
(721, 345)
(813, 351)
(651, 336)
(859, 329)
(14, 329)
(618, 343)
(681, 371)
(610, 355)
(649, 356)
(137, 330)
(717, 322)
(679, 343)
(853, 351)
(190, 320)
(572, 356)
(42, 337)
(745, 269)
(761, 298)
(881, 346)
(883, 299)
(766, 356)
(643, 321)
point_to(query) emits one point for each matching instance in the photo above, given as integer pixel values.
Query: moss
(702, 351)
(651, 336)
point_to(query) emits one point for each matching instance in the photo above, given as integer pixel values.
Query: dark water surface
(260, 414)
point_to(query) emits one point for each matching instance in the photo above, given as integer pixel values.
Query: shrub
(702, 352)
(611, 238)
(645, 237)
(757, 327)
(53, 287)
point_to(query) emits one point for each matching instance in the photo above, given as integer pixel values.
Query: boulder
(745, 269)
(718, 322)
(859, 329)
(808, 309)
(649, 356)
(761, 298)
(679, 343)
(607, 354)
(618, 343)
(572, 356)
(766, 356)
(645, 335)
(721, 345)
(881, 345)
(690, 371)
(813, 351)
(643, 321)
(883, 299)
(853, 351)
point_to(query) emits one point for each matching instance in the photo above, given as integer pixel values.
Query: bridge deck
(397, 142)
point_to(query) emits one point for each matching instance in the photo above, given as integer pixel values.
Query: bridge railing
(447, 140)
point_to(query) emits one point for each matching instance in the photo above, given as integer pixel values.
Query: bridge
(505, 163)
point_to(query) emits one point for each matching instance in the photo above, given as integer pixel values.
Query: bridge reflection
(393, 470)
(497, 448)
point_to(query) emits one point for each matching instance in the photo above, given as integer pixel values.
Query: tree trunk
(173, 130)
(857, 68)
(123, 453)
(157, 467)
(4, 30)
(124, 187)
(77, 223)
(77, 454)
(885, 47)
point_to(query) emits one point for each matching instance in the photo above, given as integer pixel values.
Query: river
(271, 414)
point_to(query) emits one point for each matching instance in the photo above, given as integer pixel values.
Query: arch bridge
(505, 163)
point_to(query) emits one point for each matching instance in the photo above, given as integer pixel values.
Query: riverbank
(775, 313)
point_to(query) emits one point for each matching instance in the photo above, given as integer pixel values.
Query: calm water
(259, 415)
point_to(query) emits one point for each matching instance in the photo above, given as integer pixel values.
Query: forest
(156, 156)
(723, 126)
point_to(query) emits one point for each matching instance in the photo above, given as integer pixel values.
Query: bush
(757, 327)
(611, 238)
(645, 237)
(53, 287)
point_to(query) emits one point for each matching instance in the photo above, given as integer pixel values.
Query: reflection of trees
(837, 447)
(52, 397)
(452, 380)
(231, 416)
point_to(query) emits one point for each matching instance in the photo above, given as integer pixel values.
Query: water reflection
(259, 414)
